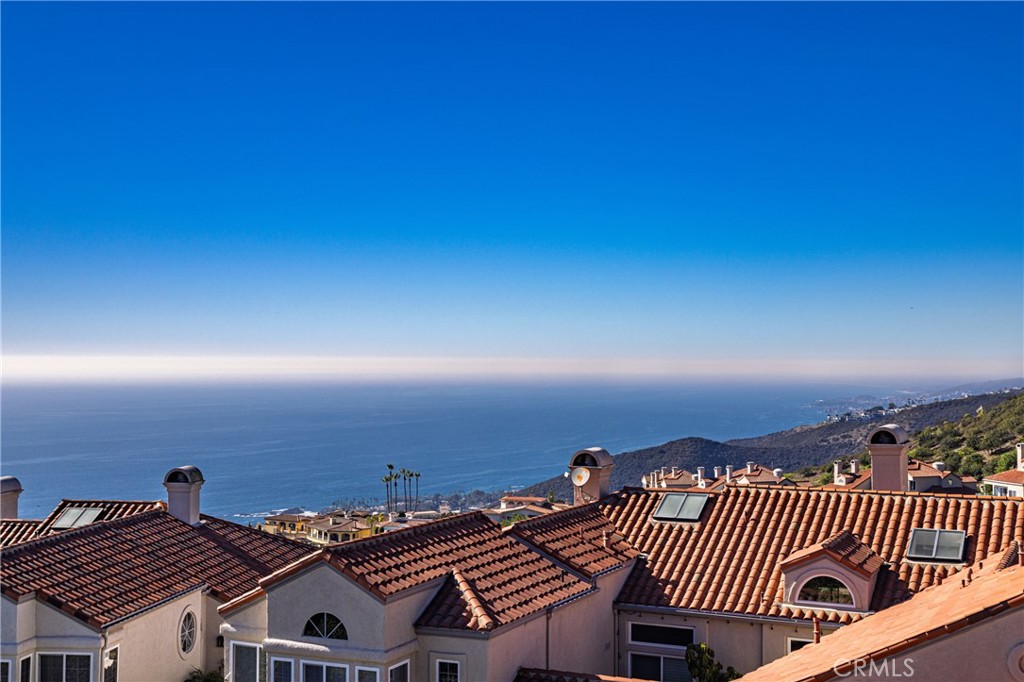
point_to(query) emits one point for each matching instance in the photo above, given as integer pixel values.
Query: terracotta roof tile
(731, 561)
(491, 576)
(936, 612)
(13, 531)
(582, 537)
(106, 571)
(844, 547)
(1011, 476)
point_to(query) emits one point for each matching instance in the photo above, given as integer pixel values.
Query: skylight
(936, 545)
(73, 517)
(680, 507)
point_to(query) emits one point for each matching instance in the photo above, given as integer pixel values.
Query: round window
(187, 635)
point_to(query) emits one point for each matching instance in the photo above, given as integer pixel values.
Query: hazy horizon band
(157, 368)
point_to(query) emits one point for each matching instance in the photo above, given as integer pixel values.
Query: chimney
(675, 471)
(10, 488)
(183, 484)
(728, 473)
(1020, 456)
(700, 474)
(750, 467)
(888, 446)
(854, 466)
(837, 470)
(718, 472)
(590, 471)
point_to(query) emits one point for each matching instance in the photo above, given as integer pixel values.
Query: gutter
(719, 615)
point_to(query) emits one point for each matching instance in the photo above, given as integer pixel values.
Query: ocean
(265, 447)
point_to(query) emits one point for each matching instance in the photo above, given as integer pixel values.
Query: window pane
(825, 590)
(922, 544)
(796, 644)
(367, 676)
(692, 506)
(645, 667)
(51, 668)
(336, 674)
(312, 673)
(5, 671)
(281, 671)
(76, 668)
(26, 670)
(951, 545)
(447, 671)
(399, 674)
(674, 670)
(87, 517)
(656, 634)
(244, 664)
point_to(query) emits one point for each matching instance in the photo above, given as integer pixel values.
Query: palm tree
(417, 476)
(387, 488)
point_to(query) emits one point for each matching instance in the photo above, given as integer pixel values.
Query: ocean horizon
(263, 447)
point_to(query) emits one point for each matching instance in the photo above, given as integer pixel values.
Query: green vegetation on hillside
(979, 444)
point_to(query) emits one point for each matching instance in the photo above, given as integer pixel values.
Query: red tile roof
(103, 572)
(843, 547)
(13, 531)
(1011, 476)
(582, 537)
(730, 562)
(939, 611)
(488, 577)
(538, 675)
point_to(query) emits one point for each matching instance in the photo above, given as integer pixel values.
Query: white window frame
(437, 668)
(407, 662)
(325, 664)
(270, 668)
(365, 669)
(674, 647)
(790, 640)
(632, 653)
(259, 650)
(12, 671)
(21, 662)
(92, 662)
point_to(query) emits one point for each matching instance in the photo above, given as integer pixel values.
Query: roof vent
(939, 466)
(183, 484)
(10, 489)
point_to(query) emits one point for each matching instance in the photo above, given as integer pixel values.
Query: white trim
(249, 645)
(182, 654)
(63, 672)
(270, 668)
(790, 640)
(408, 663)
(325, 664)
(363, 668)
(437, 669)
(630, 640)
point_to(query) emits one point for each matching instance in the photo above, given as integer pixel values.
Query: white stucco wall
(149, 643)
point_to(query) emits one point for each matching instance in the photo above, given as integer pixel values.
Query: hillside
(805, 446)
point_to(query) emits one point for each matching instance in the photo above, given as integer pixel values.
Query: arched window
(325, 625)
(187, 632)
(826, 590)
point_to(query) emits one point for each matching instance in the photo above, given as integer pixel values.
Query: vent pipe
(750, 467)
(837, 470)
(718, 472)
(700, 474)
(854, 466)
(728, 473)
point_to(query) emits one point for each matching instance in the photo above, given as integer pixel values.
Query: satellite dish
(580, 476)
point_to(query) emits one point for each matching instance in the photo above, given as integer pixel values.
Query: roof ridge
(481, 619)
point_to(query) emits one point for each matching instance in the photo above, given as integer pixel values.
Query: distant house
(292, 526)
(337, 528)
(752, 474)
(1009, 483)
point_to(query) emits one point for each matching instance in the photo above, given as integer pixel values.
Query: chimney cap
(889, 434)
(185, 474)
(10, 484)
(591, 457)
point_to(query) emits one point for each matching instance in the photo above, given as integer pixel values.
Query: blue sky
(720, 185)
